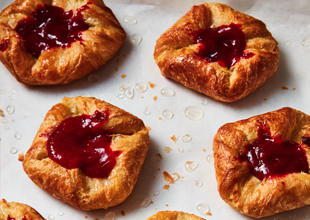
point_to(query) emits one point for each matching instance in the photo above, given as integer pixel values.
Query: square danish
(87, 153)
(262, 163)
(174, 215)
(52, 42)
(17, 211)
(217, 51)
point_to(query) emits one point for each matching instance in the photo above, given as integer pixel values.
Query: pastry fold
(176, 54)
(236, 184)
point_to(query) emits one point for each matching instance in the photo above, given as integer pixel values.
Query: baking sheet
(289, 22)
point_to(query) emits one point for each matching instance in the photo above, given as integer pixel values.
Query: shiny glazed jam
(306, 140)
(9, 218)
(269, 156)
(51, 27)
(4, 45)
(81, 142)
(224, 44)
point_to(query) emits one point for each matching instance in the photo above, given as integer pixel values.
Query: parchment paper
(289, 22)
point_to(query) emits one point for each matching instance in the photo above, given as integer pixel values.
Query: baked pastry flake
(262, 163)
(17, 211)
(88, 153)
(217, 51)
(55, 42)
(173, 215)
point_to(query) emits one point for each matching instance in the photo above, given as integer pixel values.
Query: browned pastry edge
(238, 187)
(130, 136)
(17, 211)
(174, 215)
(60, 65)
(175, 54)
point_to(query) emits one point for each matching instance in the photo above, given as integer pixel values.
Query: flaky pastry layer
(129, 135)
(243, 191)
(173, 215)
(175, 54)
(60, 65)
(17, 211)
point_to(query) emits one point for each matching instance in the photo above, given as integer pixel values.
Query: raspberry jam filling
(51, 27)
(9, 218)
(269, 156)
(81, 142)
(4, 44)
(224, 44)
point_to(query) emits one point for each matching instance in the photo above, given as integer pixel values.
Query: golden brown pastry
(217, 51)
(68, 40)
(262, 163)
(173, 215)
(17, 211)
(88, 153)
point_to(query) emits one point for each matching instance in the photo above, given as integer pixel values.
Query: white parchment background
(289, 22)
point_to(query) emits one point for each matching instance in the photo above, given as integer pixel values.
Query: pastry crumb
(123, 213)
(284, 88)
(166, 204)
(166, 187)
(21, 157)
(204, 150)
(142, 97)
(86, 216)
(152, 85)
(148, 128)
(174, 138)
(293, 88)
(1, 113)
(167, 149)
(208, 213)
(122, 88)
(160, 118)
(97, 219)
(168, 177)
(152, 202)
(158, 169)
(155, 98)
(265, 99)
(123, 76)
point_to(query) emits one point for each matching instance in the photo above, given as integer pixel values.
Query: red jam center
(51, 27)
(9, 218)
(224, 44)
(81, 142)
(4, 45)
(269, 156)
(306, 140)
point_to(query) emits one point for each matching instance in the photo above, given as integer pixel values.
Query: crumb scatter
(21, 157)
(166, 187)
(174, 138)
(284, 88)
(168, 177)
(152, 85)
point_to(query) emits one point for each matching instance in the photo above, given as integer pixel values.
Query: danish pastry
(262, 163)
(173, 215)
(45, 42)
(17, 211)
(88, 153)
(217, 51)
